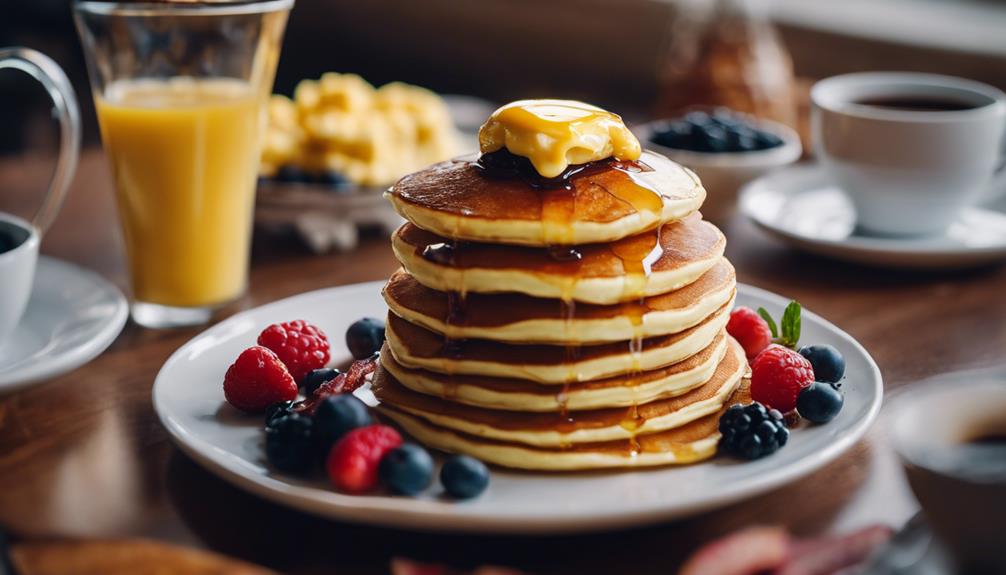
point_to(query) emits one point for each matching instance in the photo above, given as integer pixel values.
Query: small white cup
(17, 268)
(909, 172)
(17, 265)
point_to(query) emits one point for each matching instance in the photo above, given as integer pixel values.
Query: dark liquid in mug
(990, 440)
(11, 236)
(917, 104)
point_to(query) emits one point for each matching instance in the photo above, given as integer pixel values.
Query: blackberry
(752, 431)
(289, 443)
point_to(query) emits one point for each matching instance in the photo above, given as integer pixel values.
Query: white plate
(72, 316)
(188, 397)
(799, 206)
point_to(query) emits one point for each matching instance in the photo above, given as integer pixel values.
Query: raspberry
(778, 375)
(258, 379)
(300, 345)
(750, 330)
(353, 462)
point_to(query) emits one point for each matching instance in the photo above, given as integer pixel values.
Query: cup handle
(51, 76)
(997, 187)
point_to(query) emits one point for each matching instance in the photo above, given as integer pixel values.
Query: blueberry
(331, 178)
(278, 410)
(289, 443)
(292, 174)
(464, 477)
(336, 415)
(365, 337)
(741, 139)
(316, 377)
(673, 134)
(406, 469)
(819, 403)
(828, 363)
(699, 119)
(710, 138)
(766, 140)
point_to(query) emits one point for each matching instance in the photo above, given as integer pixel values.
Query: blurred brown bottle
(727, 55)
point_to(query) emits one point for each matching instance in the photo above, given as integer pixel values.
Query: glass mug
(19, 239)
(181, 91)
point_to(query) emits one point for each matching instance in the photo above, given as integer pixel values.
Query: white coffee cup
(960, 485)
(909, 171)
(17, 267)
(17, 262)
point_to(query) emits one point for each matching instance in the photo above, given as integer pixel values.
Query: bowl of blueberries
(725, 148)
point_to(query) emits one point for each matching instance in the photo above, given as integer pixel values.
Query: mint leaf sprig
(790, 322)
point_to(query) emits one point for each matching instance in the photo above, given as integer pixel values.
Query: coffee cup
(951, 438)
(20, 239)
(910, 150)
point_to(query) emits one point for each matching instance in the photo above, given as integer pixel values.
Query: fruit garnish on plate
(332, 428)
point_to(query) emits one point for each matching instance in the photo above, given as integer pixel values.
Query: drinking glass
(181, 91)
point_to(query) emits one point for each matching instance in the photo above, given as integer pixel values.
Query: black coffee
(917, 103)
(989, 439)
(11, 236)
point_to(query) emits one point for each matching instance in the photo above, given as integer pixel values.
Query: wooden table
(84, 454)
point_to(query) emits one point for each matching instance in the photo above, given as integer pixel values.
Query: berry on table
(336, 415)
(316, 377)
(406, 469)
(278, 410)
(365, 337)
(258, 379)
(778, 375)
(464, 477)
(352, 464)
(750, 330)
(752, 431)
(299, 344)
(820, 402)
(289, 443)
(829, 365)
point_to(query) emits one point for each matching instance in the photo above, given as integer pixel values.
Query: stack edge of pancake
(559, 316)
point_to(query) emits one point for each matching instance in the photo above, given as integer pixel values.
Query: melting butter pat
(553, 134)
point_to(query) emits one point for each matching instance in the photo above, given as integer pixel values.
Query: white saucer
(72, 316)
(188, 398)
(801, 207)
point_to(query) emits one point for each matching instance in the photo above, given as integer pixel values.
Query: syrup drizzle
(558, 198)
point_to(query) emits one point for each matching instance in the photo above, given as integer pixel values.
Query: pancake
(520, 318)
(689, 443)
(456, 199)
(565, 427)
(601, 275)
(520, 395)
(415, 346)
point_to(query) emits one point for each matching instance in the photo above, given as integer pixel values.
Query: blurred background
(616, 53)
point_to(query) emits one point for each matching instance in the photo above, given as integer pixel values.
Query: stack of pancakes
(572, 323)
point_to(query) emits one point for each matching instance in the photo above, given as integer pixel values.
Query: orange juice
(184, 153)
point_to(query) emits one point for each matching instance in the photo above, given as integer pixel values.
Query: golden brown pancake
(687, 249)
(520, 318)
(522, 395)
(565, 427)
(688, 443)
(458, 200)
(415, 346)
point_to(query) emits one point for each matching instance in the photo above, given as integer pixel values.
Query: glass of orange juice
(181, 89)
